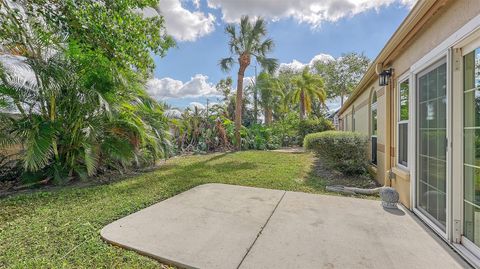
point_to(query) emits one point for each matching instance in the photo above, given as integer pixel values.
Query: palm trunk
(238, 108)
(53, 109)
(244, 61)
(255, 104)
(268, 116)
(302, 105)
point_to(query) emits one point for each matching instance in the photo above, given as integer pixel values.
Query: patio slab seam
(261, 230)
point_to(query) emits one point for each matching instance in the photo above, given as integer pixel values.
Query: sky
(302, 30)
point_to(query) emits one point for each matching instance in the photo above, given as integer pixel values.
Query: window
(471, 158)
(402, 127)
(431, 131)
(374, 126)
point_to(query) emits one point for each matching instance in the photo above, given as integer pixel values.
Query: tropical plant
(286, 129)
(198, 131)
(249, 41)
(307, 88)
(76, 87)
(224, 86)
(270, 92)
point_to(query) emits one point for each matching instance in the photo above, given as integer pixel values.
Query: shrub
(310, 126)
(286, 129)
(343, 151)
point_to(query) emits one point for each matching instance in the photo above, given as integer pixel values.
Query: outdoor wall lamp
(384, 76)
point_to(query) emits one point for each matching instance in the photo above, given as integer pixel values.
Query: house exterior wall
(363, 124)
(443, 24)
(437, 188)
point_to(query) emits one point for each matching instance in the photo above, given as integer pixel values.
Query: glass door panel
(471, 134)
(431, 147)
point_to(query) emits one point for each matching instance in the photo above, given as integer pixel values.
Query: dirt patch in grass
(332, 177)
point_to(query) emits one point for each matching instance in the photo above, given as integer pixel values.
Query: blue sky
(188, 73)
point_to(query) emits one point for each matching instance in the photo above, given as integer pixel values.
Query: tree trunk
(302, 105)
(341, 100)
(244, 61)
(255, 104)
(268, 116)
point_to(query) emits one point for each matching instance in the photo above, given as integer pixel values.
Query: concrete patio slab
(320, 231)
(224, 226)
(209, 226)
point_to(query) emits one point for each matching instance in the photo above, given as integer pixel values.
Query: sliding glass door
(471, 166)
(431, 143)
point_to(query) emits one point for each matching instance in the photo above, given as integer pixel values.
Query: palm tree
(307, 88)
(269, 89)
(250, 40)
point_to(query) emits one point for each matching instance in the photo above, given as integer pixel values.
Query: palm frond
(268, 64)
(266, 46)
(226, 64)
(38, 144)
(91, 158)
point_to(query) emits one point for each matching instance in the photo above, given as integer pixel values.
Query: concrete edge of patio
(229, 226)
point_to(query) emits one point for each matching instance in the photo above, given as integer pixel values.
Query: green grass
(60, 228)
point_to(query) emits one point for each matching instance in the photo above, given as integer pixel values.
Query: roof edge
(418, 12)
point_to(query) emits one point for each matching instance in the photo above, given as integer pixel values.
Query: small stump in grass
(389, 197)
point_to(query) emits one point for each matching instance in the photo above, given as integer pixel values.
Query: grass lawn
(60, 228)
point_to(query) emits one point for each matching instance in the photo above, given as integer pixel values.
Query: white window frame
(401, 79)
(417, 71)
(373, 106)
(447, 48)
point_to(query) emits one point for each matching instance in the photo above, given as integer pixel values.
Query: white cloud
(196, 3)
(294, 65)
(197, 105)
(298, 66)
(171, 88)
(313, 12)
(321, 58)
(173, 113)
(247, 81)
(183, 24)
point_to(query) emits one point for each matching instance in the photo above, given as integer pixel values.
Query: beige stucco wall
(444, 23)
(363, 124)
(448, 20)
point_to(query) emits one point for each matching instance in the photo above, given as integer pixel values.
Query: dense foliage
(74, 77)
(200, 131)
(72, 92)
(313, 125)
(344, 151)
(249, 40)
(343, 74)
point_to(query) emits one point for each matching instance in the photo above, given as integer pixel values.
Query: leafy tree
(342, 75)
(224, 86)
(249, 41)
(307, 88)
(81, 100)
(269, 89)
(252, 89)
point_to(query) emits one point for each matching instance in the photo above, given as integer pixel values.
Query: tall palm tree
(307, 88)
(249, 41)
(269, 89)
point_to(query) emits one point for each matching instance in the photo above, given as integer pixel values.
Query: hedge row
(343, 151)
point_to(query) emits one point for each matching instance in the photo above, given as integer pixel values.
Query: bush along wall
(346, 152)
